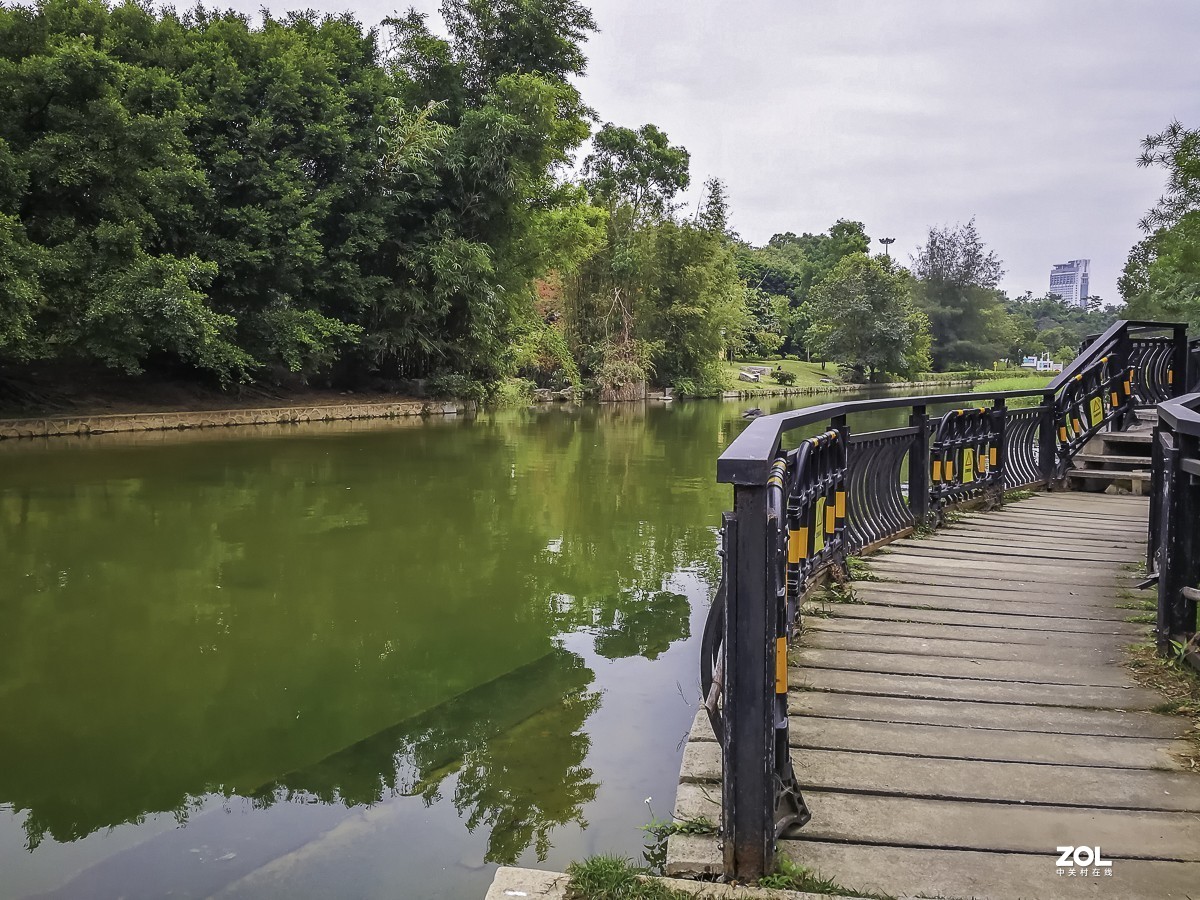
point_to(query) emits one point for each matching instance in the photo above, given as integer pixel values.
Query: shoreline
(68, 425)
(112, 423)
(839, 388)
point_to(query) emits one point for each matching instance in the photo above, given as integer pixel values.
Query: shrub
(783, 376)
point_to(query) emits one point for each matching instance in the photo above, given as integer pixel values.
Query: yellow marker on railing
(780, 665)
(831, 518)
(840, 503)
(993, 456)
(797, 545)
(937, 470)
(949, 470)
(819, 526)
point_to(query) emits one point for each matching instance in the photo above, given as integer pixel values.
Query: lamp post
(887, 245)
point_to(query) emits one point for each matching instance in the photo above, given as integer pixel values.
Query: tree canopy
(1161, 279)
(864, 317)
(287, 199)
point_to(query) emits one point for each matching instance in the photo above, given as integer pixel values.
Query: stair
(1116, 462)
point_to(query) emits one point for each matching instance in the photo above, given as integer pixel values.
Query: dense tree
(785, 271)
(662, 296)
(957, 288)
(1048, 325)
(1161, 279)
(863, 317)
(286, 200)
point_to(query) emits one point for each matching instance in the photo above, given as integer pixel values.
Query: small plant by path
(615, 878)
(790, 876)
(1018, 496)
(859, 571)
(1179, 683)
(658, 831)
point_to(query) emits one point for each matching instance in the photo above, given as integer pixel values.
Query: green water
(355, 661)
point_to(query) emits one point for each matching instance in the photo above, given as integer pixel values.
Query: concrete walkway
(971, 712)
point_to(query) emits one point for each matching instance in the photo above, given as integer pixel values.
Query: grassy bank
(807, 375)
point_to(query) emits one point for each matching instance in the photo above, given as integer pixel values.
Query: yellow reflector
(819, 527)
(797, 545)
(781, 665)
(994, 455)
(937, 470)
(949, 470)
(841, 504)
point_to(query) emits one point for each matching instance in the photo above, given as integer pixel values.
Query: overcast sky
(1026, 114)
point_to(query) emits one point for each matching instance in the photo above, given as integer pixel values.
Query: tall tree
(863, 317)
(957, 288)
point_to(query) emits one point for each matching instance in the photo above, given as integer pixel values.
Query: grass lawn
(1015, 382)
(808, 375)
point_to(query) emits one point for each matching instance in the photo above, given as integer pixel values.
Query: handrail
(798, 512)
(1174, 528)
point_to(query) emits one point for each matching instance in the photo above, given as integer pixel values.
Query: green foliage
(1048, 325)
(460, 387)
(784, 377)
(615, 878)
(791, 876)
(1161, 279)
(286, 200)
(956, 287)
(661, 298)
(863, 317)
(658, 831)
(639, 168)
(780, 278)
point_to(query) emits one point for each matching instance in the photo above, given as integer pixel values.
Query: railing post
(1179, 362)
(748, 789)
(918, 465)
(1178, 555)
(1000, 416)
(1048, 440)
(1154, 523)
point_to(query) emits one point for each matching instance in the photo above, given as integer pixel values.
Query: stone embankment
(56, 426)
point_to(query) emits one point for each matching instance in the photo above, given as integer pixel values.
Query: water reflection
(339, 621)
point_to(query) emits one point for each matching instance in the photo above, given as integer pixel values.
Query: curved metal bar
(806, 509)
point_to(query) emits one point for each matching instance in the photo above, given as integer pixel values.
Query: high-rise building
(1070, 281)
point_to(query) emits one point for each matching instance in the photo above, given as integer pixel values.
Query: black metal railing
(800, 511)
(1174, 533)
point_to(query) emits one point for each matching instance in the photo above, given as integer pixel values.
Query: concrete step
(1111, 459)
(1134, 481)
(1126, 437)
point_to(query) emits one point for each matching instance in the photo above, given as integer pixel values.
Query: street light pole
(887, 246)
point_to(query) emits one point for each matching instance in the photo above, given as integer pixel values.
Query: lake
(364, 660)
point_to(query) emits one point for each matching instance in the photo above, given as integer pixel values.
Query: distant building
(1070, 281)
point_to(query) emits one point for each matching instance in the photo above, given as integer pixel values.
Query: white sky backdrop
(1026, 114)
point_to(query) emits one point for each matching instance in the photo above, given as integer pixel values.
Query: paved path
(971, 713)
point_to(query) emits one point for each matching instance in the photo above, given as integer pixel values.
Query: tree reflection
(639, 625)
(517, 745)
(254, 618)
